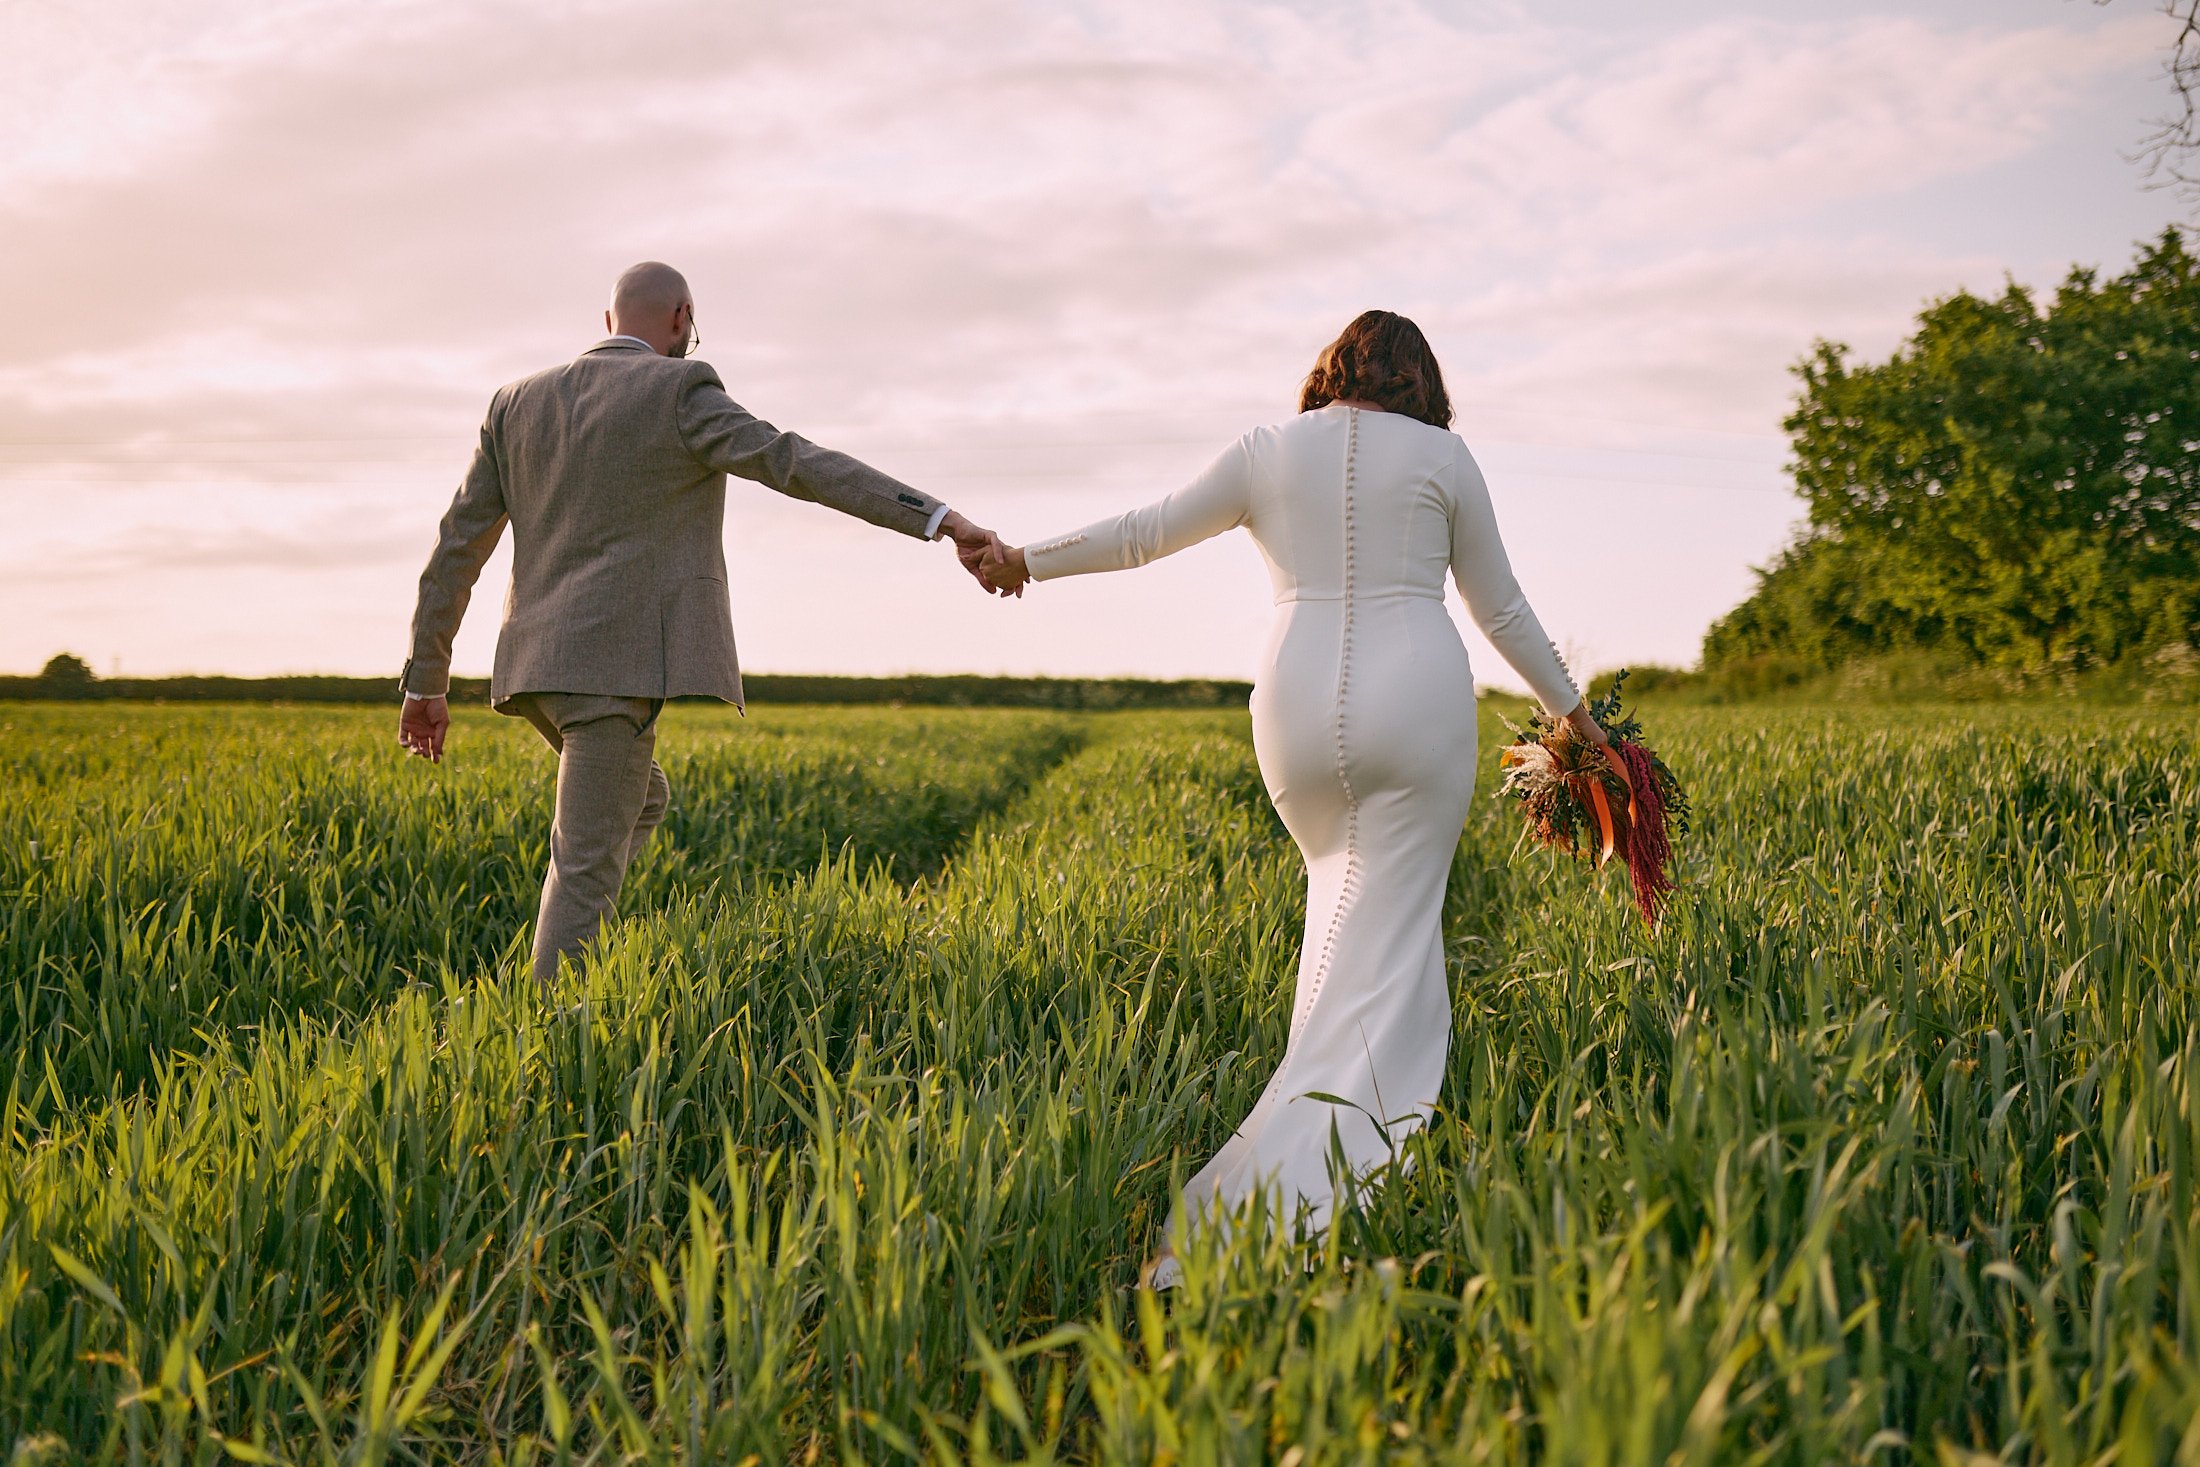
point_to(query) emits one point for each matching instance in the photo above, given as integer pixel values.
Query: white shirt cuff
(932, 525)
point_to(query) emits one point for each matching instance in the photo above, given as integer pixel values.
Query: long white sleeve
(1217, 500)
(1493, 596)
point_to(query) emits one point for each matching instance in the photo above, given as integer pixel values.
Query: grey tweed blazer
(611, 471)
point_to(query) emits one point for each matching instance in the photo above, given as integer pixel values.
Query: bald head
(652, 302)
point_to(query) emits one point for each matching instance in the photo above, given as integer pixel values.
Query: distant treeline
(67, 678)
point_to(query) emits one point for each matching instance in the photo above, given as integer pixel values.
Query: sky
(263, 265)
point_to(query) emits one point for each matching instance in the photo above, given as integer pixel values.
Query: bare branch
(2171, 152)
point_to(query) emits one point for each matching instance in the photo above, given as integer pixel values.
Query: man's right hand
(421, 727)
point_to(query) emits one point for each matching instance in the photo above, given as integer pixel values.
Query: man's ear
(607, 323)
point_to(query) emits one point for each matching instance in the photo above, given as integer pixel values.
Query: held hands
(983, 555)
(973, 545)
(421, 727)
(1003, 570)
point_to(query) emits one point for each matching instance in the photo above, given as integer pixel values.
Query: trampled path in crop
(203, 871)
(849, 1145)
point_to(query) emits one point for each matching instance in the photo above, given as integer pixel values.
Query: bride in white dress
(1364, 724)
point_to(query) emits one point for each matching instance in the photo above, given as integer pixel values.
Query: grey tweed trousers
(611, 796)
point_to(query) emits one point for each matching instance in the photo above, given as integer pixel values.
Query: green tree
(2018, 485)
(67, 676)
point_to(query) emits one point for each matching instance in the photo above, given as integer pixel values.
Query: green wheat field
(849, 1147)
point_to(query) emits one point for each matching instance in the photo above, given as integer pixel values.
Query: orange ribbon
(1600, 805)
(1604, 817)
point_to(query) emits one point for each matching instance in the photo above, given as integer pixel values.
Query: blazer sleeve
(1218, 500)
(720, 434)
(1493, 596)
(469, 533)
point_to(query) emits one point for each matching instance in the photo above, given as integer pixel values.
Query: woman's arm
(1217, 500)
(1493, 596)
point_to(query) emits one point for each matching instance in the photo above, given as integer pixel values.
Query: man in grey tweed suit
(611, 470)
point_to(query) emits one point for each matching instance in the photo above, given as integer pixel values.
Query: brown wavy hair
(1384, 359)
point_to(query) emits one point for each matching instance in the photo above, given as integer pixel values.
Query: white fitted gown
(1363, 722)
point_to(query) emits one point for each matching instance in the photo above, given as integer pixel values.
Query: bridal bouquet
(1573, 801)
